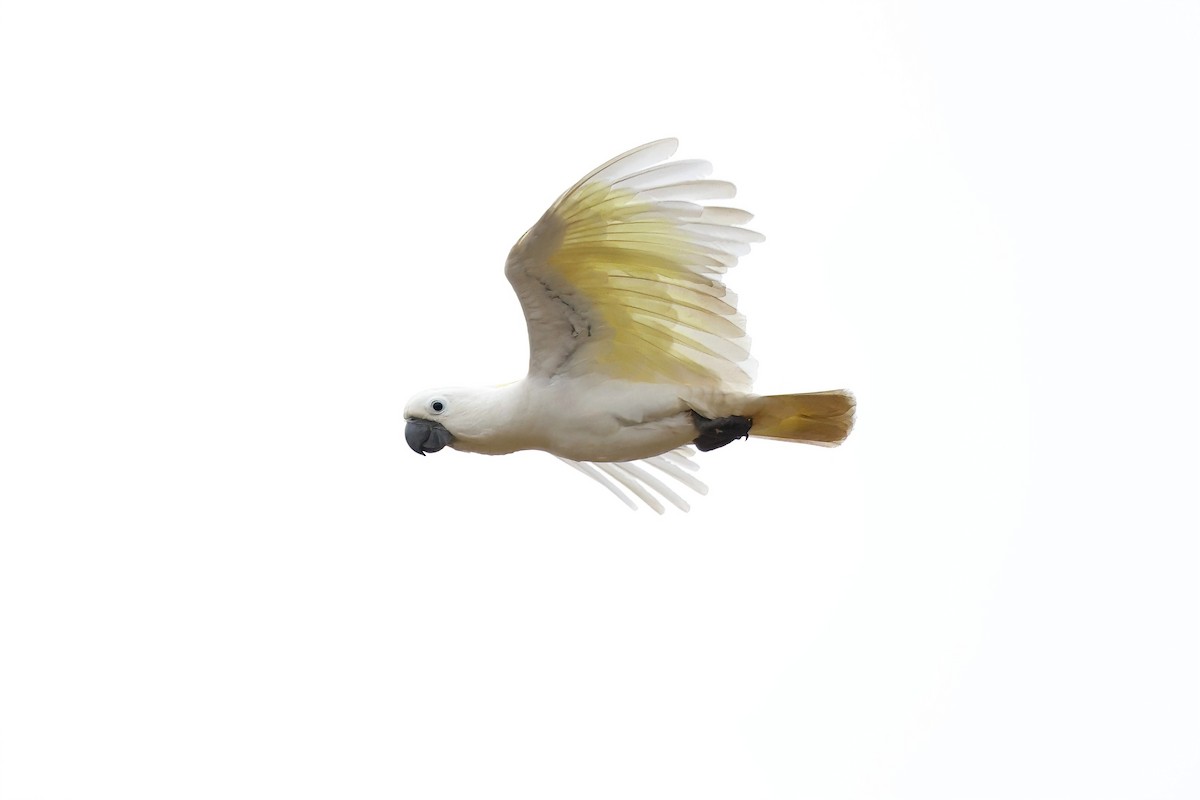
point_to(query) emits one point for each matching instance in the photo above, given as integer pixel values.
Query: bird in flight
(636, 349)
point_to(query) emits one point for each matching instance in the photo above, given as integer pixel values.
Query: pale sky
(238, 236)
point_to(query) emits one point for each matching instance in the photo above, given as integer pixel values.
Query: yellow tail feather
(823, 418)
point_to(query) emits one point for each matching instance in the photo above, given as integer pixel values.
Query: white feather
(594, 474)
(613, 469)
(672, 463)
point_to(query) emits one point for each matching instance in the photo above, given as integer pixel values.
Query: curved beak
(425, 436)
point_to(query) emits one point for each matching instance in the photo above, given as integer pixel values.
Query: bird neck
(499, 422)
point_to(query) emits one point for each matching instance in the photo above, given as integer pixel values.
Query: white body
(591, 418)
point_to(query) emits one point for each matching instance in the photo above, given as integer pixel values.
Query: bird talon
(719, 432)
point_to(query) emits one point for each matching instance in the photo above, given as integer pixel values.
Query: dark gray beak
(424, 436)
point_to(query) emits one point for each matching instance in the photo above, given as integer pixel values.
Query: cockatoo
(636, 348)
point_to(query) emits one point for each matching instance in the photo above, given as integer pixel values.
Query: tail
(823, 418)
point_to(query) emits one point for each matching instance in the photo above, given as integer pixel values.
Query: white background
(235, 237)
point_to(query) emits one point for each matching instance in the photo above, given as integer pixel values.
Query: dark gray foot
(716, 433)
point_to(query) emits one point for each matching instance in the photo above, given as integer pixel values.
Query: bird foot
(719, 432)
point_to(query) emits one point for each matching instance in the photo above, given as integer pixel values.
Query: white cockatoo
(636, 348)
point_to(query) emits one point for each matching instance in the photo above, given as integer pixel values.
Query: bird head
(479, 420)
(431, 417)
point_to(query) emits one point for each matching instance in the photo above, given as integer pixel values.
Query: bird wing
(627, 475)
(622, 276)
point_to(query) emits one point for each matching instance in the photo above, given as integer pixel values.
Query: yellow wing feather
(621, 277)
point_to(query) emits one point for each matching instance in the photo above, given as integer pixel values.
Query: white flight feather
(631, 476)
(615, 471)
(596, 475)
(678, 474)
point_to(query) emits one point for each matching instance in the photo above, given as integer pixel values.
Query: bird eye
(437, 406)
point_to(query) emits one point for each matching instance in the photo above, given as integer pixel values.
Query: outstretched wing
(628, 475)
(622, 276)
